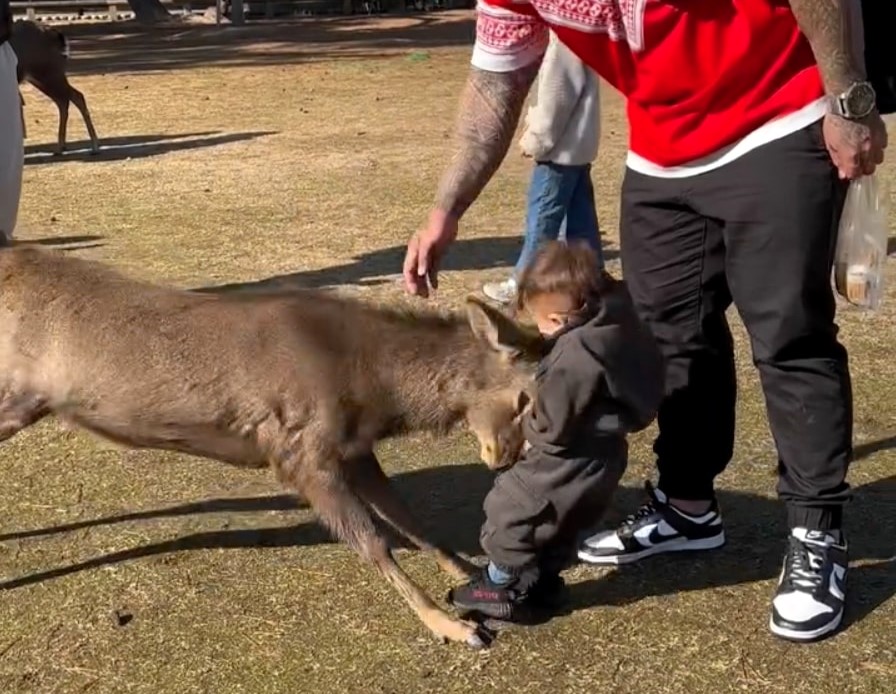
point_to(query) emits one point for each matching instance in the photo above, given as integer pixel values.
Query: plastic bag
(862, 244)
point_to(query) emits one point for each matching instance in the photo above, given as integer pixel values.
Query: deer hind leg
(62, 105)
(19, 412)
(369, 482)
(77, 98)
(346, 516)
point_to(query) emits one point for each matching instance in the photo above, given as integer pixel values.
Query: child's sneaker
(548, 593)
(507, 602)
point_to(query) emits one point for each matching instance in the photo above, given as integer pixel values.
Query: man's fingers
(433, 277)
(409, 269)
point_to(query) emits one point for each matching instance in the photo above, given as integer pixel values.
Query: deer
(43, 54)
(302, 382)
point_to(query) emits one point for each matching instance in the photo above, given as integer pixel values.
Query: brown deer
(43, 53)
(304, 382)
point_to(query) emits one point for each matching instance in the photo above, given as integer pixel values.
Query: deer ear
(500, 332)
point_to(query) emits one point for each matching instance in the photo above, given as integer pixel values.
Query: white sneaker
(812, 587)
(502, 292)
(655, 528)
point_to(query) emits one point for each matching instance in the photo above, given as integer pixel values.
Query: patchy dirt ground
(304, 154)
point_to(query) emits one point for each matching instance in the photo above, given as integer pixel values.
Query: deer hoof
(481, 638)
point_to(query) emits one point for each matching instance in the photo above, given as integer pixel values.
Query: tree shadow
(108, 48)
(383, 266)
(866, 450)
(451, 498)
(135, 147)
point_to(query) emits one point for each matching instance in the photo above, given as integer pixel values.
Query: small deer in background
(42, 53)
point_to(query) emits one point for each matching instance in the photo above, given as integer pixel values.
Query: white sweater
(563, 124)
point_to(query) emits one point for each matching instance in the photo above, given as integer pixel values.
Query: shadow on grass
(128, 47)
(384, 265)
(134, 147)
(452, 496)
(866, 450)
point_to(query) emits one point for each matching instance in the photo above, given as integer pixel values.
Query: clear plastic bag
(862, 244)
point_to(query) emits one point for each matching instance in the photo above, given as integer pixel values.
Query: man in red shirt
(746, 119)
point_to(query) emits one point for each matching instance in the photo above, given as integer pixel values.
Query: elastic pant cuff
(815, 517)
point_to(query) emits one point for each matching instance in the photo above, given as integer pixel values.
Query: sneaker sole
(805, 636)
(700, 545)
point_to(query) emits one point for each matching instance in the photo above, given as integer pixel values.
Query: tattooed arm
(490, 109)
(856, 147)
(511, 39)
(825, 23)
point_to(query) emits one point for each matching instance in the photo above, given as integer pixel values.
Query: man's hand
(425, 250)
(489, 112)
(856, 147)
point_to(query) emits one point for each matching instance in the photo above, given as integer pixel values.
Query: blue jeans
(561, 198)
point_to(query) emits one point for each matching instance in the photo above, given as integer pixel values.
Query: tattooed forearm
(489, 112)
(825, 23)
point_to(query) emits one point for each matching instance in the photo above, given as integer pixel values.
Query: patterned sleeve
(509, 35)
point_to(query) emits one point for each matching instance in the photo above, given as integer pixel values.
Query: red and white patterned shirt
(706, 80)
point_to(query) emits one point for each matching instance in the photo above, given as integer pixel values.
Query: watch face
(860, 99)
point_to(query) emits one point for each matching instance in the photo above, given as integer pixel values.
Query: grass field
(304, 154)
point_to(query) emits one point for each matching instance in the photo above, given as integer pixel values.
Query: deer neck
(441, 385)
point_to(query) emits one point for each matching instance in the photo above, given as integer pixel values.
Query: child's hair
(560, 268)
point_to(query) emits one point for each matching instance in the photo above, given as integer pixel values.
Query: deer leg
(77, 98)
(62, 105)
(22, 115)
(19, 412)
(369, 482)
(344, 513)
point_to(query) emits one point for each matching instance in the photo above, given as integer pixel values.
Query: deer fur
(305, 383)
(43, 52)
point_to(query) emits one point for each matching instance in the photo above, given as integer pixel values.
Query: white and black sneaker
(654, 528)
(812, 588)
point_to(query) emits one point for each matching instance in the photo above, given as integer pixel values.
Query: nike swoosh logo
(836, 583)
(655, 536)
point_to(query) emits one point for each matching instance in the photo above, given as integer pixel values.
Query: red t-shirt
(699, 75)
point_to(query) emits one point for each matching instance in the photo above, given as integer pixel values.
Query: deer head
(495, 411)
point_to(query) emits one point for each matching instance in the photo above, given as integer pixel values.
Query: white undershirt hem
(771, 131)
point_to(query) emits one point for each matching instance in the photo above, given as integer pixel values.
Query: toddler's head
(557, 287)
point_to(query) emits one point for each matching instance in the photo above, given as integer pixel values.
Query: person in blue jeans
(562, 135)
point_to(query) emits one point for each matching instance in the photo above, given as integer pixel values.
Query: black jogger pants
(760, 232)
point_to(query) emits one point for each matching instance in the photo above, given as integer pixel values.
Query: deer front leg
(368, 481)
(344, 513)
(18, 411)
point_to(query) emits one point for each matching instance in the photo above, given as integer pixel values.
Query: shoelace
(646, 509)
(805, 564)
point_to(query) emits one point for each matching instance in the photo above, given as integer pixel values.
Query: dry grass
(318, 160)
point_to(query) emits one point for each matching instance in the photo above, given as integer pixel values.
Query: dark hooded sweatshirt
(601, 380)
